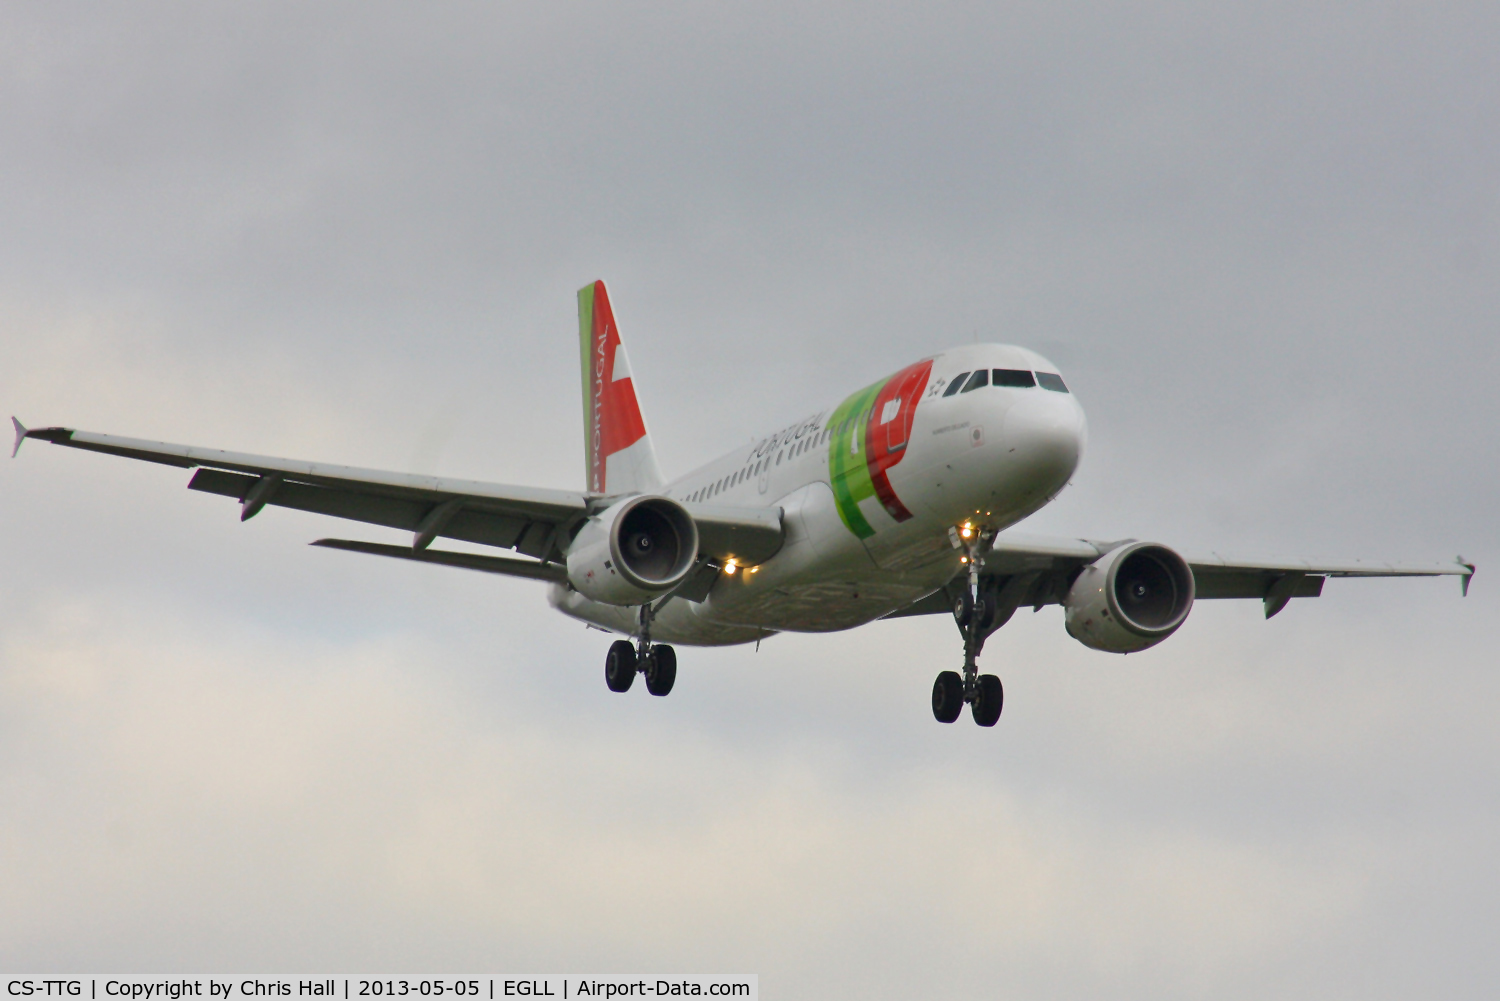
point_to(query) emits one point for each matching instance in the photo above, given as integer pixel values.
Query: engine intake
(1130, 599)
(633, 551)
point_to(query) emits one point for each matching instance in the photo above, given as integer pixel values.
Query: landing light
(730, 566)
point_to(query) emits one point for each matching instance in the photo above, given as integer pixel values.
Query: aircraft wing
(1037, 570)
(535, 522)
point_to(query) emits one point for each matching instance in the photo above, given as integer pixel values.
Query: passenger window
(1051, 381)
(1017, 378)
(956, 384)
(978, 379)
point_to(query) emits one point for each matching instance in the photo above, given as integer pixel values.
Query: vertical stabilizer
(617, 452)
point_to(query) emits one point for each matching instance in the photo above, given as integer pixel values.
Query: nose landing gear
(657, 661)
(975, 612)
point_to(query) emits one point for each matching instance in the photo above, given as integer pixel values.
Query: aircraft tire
(967, 609)
(619, 666)
(661, 669)
(963, 609)
(990, 700)
(947, 696)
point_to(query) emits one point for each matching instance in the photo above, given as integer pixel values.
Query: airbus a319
(896, 500)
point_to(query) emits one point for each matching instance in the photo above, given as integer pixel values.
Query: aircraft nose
(1045, 435)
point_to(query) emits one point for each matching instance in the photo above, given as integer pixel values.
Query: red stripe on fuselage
(886, 443)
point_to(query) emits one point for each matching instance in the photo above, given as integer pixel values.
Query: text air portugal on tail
(618, 457)
(897, 501)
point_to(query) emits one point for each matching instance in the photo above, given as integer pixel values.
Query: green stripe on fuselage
(848, 470)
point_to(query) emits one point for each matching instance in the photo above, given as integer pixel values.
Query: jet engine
(1130, 598)
(633, 551)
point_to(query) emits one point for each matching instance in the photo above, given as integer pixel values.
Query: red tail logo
(611, 416)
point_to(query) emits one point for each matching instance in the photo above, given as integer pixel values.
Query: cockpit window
(980, 378)
(1049, 380)
(1016, 377)
(956, 384)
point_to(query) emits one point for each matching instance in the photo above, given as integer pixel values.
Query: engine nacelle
(1129, 599)
(633, 551)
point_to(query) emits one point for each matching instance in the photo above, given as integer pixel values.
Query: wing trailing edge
(530, 569)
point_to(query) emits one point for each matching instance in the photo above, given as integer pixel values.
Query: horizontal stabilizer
(467, 561)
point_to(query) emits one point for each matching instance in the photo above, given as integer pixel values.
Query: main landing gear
(657, 661)
(975, 612)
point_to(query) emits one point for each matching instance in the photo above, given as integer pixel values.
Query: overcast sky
(1261, 240)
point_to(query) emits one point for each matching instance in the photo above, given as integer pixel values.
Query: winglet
(20, 436)
(1467, 577)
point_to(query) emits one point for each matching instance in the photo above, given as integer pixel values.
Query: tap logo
(871, 430)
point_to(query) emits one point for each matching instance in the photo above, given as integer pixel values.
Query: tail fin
(618, 457)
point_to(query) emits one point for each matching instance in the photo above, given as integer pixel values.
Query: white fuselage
(989, 455)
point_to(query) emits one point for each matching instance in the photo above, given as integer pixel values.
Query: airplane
(898, 500)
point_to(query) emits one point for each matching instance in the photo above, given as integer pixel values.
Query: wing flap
(1249, 584)
(484, 527)
(467, 561)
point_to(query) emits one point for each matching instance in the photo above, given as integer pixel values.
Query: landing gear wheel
(963, 609)
(619, 666)
(989, 698)
(947, 697)
(661, 669)
(976, 611)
